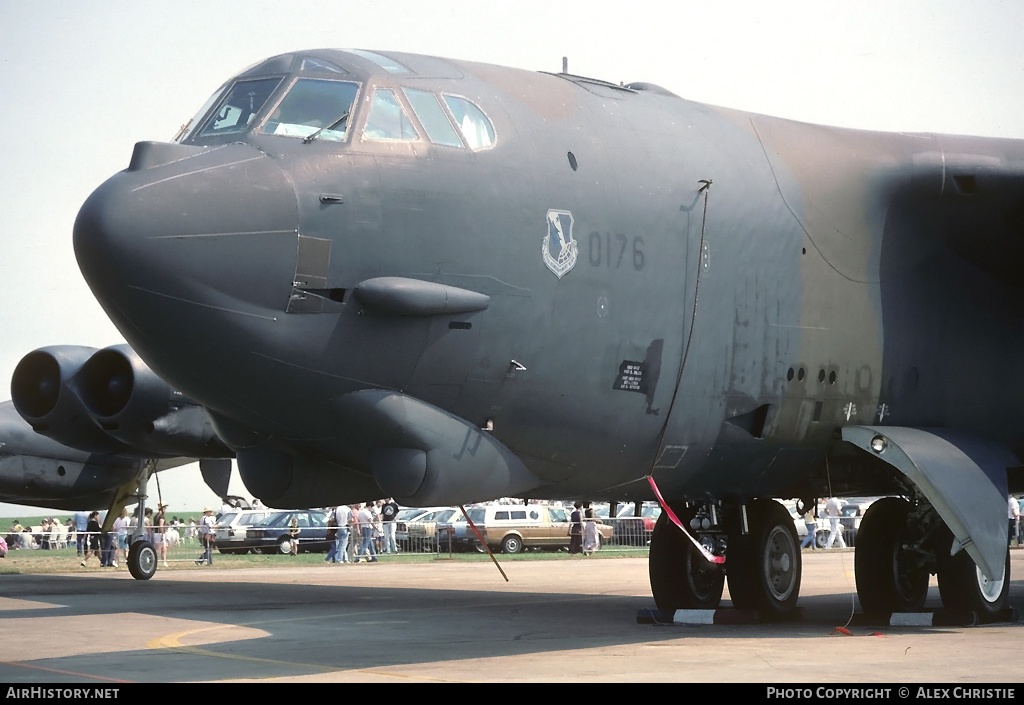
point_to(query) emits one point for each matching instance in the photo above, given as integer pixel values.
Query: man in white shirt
(834, 510)
(366, 519)
(343, 517)
(121, 525)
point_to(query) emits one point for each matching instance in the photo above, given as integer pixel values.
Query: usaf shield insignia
(559, 248)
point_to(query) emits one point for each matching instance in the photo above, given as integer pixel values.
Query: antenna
(565, 64)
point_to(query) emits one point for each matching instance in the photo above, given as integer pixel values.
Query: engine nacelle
(40, 391)
(402, 448)
(109, 401)
(128, 401)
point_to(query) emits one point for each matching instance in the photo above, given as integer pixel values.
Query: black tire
(821, 538)
(889, 577)
(142, 560)
(963, 587)
(681, 578)
(512, 544)
(284, 546)
(764, 566)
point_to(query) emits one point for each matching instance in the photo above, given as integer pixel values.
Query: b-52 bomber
(446, 281)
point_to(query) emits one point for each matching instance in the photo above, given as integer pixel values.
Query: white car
(230, 529)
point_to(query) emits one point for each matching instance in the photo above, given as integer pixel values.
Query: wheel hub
(778, 563)
(990, 589)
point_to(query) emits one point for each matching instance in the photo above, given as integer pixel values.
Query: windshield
(314, 106)
(239, 107)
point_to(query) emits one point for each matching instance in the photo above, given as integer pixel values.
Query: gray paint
(794, 279)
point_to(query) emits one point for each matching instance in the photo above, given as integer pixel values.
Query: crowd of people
(371, 525)
(51, 534)
(84, 531)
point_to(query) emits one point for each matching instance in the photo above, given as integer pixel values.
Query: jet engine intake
(40, 391)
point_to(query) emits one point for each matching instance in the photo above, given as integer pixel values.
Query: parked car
(514, 527)
(632, 530)
(423, 532)
(229, 531)
(272, 535)
(403, 519)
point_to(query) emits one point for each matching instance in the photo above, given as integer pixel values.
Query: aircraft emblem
(559, 248)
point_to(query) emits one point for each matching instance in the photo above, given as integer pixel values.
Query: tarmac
(572, 619)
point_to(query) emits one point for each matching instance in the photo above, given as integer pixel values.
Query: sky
(81, 83)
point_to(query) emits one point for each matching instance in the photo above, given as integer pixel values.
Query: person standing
(92, 531)
(591, 538)
(365, 518)
(811, 540)
(576, 530)
(343, 518)
(81, 538)
(206, 524)
(388, 513)
(332, 536)
(1013, 513)
(121, 536)
(293, 534)
(834, 510)
(159, 531)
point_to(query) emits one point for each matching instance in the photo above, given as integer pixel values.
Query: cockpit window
(386, 63)
(475, 126)
(433, 117)
(311, 64)
(387, 119)
(189, 127)
(238, 108)
(313, 106)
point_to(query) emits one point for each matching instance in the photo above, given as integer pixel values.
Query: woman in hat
(206, 536)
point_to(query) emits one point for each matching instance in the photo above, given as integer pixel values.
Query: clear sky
(80, 83)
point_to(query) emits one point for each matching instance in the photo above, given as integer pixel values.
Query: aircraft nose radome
(165, 230)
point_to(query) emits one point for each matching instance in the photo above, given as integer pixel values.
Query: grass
(66, 560)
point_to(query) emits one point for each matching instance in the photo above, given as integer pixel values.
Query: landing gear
(764, 565)
(963, 587)
(681, 578)
(892, 576)
(142, 560)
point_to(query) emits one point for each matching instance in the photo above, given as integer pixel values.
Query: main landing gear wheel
(764, 565)
(142, 560)
(681, 578)
(963, 587)
(890, 577)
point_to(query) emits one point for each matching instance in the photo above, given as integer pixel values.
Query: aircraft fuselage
(620, 282)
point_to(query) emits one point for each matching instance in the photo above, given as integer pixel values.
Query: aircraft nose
(188, 226)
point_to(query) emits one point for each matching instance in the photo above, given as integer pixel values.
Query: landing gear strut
(681, 578)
